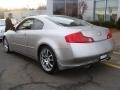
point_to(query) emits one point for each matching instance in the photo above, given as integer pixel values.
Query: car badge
(99, 34)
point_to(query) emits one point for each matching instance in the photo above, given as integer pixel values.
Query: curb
(114, 52)
(112, 65)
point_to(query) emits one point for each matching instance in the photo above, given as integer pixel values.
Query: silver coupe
(59, 42)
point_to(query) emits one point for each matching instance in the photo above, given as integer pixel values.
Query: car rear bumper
(91, 49)
(82, 54)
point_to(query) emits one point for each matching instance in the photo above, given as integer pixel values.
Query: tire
(48, 60)
(6, 45)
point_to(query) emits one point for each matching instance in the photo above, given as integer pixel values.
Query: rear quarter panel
(53, 38)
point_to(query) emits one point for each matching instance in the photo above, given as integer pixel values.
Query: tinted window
(27, 24)
(37, 25)
(67, 21)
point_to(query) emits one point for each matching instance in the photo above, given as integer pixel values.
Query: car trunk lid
(95, 32)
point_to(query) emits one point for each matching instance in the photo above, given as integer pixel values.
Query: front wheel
(48, 60)
(6, 45)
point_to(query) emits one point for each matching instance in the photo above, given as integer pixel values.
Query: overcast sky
(13, 4)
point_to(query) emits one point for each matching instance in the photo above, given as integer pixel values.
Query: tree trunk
(80, 17)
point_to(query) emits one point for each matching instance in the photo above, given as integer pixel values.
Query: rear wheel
(6, 45)
(48, 60)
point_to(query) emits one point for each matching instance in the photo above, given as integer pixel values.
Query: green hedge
(108, 24)
(118, 24)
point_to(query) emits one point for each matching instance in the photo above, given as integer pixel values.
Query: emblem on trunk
(99, 33)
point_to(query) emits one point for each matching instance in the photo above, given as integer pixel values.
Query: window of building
(106, 8)
(65, 7)
(72, 8)
(59, 7)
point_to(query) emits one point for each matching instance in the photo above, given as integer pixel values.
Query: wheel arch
(42, 45)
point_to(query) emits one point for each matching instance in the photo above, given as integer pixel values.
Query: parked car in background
(59, 42)
(2, 28)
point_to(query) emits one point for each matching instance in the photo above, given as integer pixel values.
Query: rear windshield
(68, 21)
(2, 22)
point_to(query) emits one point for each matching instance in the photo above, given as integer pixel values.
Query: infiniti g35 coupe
(59, 42)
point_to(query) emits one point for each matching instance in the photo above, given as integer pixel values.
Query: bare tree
(82, 7)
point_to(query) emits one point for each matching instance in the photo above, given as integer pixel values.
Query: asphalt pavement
(18, 72)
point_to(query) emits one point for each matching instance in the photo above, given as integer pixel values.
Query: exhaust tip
(108, 58)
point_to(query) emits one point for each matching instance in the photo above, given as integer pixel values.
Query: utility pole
(65, 8)
(105, 10)
(94, 9)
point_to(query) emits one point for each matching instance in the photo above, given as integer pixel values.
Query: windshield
(2, 22)
(68, 21)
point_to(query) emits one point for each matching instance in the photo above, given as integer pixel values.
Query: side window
(26, 24)
(37, 25)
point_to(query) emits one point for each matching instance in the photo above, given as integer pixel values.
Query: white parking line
(118, 53)
(111, 65)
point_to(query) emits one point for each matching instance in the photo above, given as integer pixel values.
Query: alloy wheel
(47, 59)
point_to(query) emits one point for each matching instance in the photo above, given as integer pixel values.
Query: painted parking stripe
(118, 53)
(111, 65)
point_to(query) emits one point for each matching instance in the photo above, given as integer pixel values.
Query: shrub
(108, 24)
(118, 24)
(95, 22)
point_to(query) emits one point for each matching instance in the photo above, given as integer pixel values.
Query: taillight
(78, 38)
(109, 35)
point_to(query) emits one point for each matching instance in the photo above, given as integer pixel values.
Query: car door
(32, 37)
(20, 36)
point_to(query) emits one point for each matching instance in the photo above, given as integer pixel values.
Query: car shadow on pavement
(76, 69)
(68, 72)
(97, 67)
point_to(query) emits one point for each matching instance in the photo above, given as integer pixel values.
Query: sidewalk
(116, 37)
